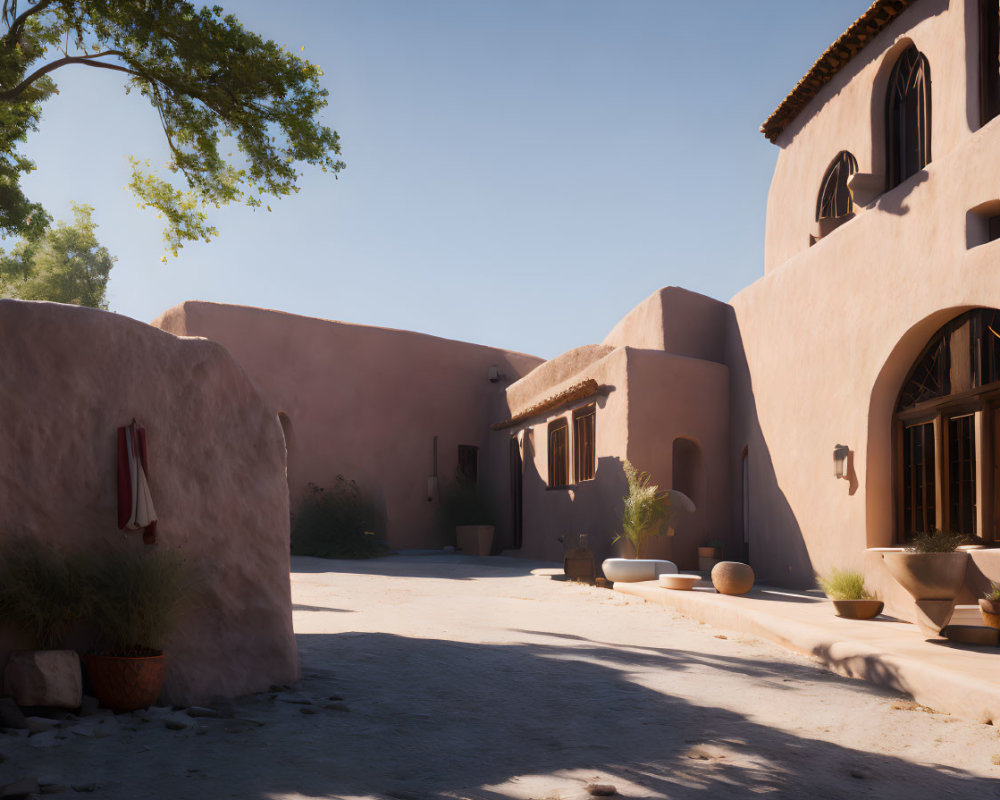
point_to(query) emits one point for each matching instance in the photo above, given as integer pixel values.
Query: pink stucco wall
(649, 398)
(366, 402)
(824, 341)
(71, 376)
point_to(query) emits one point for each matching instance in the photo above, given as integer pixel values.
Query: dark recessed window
(989, 60)
(558, 453)
(584, 443)
(834, 201)
(468, 463)
(908, 117)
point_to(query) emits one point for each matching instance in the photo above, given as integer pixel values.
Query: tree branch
(10, 94)
(18, 22)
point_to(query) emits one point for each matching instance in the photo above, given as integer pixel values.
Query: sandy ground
(476, 679)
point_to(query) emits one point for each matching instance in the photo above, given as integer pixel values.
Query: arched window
(908, 117)
(834, 201)
(948, 430)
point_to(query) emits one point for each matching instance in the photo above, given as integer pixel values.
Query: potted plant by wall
(851, 598)
(467, 511)
(136, 599)
(932, 570)
(647, 513)
(989, 605)
(41, 600)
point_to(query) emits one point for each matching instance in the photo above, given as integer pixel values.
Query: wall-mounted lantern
(840, 454)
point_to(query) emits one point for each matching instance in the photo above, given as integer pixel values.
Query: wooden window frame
(584, 450)
(989, 60)
(468, 453)
(561, 469)
(907, 105)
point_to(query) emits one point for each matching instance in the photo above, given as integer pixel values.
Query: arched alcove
(687, 469)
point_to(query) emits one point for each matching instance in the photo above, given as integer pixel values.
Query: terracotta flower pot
(990, 609)
(126, 683)
(858, 609)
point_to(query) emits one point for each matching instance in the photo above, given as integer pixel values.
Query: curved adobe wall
(71, 376)
(848, 114)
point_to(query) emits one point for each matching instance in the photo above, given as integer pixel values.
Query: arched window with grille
(908, 117)
(948, 432)
(834, 200)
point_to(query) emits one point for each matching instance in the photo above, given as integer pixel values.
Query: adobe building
(874, 331)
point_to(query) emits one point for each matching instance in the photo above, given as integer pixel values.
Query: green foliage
(214, 85)
(66, 264)
(464, 502)
(993, 593)
(137, 597)
(844, 584)
(336, 523)
(645, 510)
(935, 542)
(40, 594)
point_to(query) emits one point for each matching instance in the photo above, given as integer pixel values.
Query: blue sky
(520, 173)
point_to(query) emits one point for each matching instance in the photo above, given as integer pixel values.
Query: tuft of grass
(40, 593)
(935, 542)
(993, 593)
(844, 584)
(136, 597)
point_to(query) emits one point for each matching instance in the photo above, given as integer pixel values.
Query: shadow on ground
(452, 566)
(435, 719)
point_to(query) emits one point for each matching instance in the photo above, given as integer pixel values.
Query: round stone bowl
(858, 609)
(679, 581)
(633, 570)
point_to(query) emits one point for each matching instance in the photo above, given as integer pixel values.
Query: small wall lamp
(840, 454)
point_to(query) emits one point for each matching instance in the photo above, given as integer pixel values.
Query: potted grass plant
(989, 605)
(136, 599)
(932, 570)
(647, 512)
(851, 598)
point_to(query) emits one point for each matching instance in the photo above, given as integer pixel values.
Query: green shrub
(41, 595)
(136, 597)
(844, 584)
(935, 542)
(645, 509)
(338, 522)
(993, 593)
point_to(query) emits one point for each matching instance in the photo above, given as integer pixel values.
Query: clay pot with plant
(647, 513)
(851, 598)
(989, 605)
(136, 599)
(932, 570)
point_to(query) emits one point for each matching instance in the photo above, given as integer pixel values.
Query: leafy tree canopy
(214, 85)
(64, 264)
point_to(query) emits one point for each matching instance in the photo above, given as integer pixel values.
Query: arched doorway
(946, 432)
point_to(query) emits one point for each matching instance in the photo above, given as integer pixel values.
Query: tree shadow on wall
(429, 718)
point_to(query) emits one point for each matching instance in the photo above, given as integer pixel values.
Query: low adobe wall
(366, 403)
(71, 376)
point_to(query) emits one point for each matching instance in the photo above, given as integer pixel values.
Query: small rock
(20, 788)
(225, 707)
(242, 725)
(10, 715)
(40, 724)
(47, 739)
(83, 729)
(54, 788)
(335, 697)
(199, 711)
(83, 787)
(601, 790)
(336, 707)
(295, 699)
(307, 710)
(176, 724)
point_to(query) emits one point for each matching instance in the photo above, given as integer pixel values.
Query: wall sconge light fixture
(493, 374)
(840, 454)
